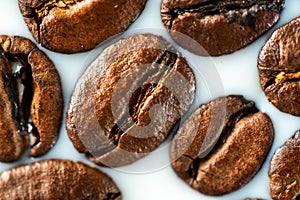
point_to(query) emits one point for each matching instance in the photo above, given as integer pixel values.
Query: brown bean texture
(127, 102)
(214, 27)
(279, 68)
(57, 179)
(71, 26)
(222, 145)
(284, 171)
(31, 99)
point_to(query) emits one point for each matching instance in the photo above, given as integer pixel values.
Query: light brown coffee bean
(218, 27)
(284, 172)
(278, 67)
(31, 99)
(127, 102)
(222, 145)
(70, 26)
(57, 179)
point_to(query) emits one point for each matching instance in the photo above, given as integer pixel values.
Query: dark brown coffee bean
(70, 26)
(279, 68)
(57, 179)
(222, 145)
(31, 99)
(220, 27)
(284, 172)
(141, 90)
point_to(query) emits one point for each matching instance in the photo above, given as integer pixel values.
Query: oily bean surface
(71, 26)
(218, 27)
(31, 99)
(279, 68)
(222, 145)
(284, 171)
(57, 179)
(133, 95)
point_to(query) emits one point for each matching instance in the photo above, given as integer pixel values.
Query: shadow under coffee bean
(127, 102)
(222, 145)
(31, 99)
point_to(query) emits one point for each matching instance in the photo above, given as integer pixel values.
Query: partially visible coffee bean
(31, 99)
(279, 68)
(71, 26)
(218, 27)
(57, 179)
(222, 145)
(284, 172)
(129, 99)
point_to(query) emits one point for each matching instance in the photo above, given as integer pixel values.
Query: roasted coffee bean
(222, 145)
(57, 179)
(284, 172)
(31, 99)
(279, 68)
(71, 26)
(129, 99)
(215, 28)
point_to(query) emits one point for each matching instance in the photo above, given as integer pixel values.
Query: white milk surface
(152, 178)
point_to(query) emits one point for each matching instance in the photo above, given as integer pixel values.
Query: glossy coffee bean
(57, 179)
(71, 26)
(279, 68)
(218, 27)
(127, 102)
(284, 172)
(222, 145)
(31, 99)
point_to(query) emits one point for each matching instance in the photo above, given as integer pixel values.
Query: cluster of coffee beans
(132, 97)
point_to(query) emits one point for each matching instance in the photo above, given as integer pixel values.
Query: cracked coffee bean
(57, 179)
(214, 28)
(71, 26)
(279, 68)
(127, 102)
(222, 145)
(284, 172)
(31, 99)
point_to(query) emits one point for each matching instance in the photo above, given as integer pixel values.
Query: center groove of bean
(163, 65)
(19, 87)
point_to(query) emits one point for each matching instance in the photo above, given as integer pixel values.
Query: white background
(152, 178)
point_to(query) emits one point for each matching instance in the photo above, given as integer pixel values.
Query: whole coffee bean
(218, 27)
(31, 99)
(222, 145)
(129, 99)
(279, 71)
(71, 26)
(57, 179)
(284, 172)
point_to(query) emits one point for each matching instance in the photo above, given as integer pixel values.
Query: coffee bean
(31, 99)
(279, 71)
(218, 27)
(222, 145)
(284, 172)
(71, 26)
(57, 179)
(129, 99)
